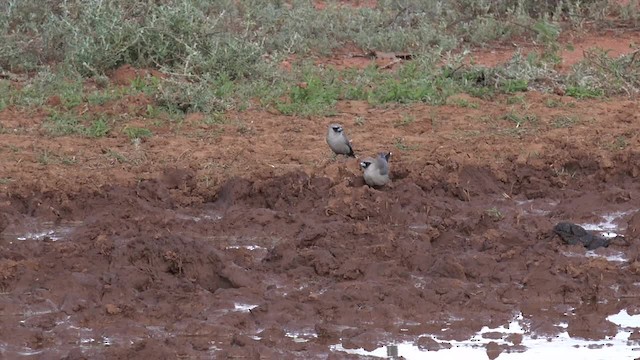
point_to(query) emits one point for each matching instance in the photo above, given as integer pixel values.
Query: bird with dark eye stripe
(338, 141)
(376, 171)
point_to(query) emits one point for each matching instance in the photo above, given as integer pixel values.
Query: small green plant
(581, 92)
(98, 128)
(68, 160)
(464, 103)
(117, 156)
(495, 214)
(406, 120)
(44, 157)
(215, 118)
(519, 120)
(548, 34)
(137, 132)
(564, 121)
(152, 111)
(513, 86)
(63, 124)
(312, 97)
(620, 143)
(552, 103)
(146, 85)
(516, 99)
(400, 145)
(102, 97)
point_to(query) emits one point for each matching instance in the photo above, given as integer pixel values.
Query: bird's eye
(365, 164)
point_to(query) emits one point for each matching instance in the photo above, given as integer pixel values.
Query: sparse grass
(582, 92)
(98, 128)
(552, 103)
(516, 99)
(464, 103)
(64, 124)
(216, 118)
(495, 214)
(620, 143)
(226, 55)
(315, 96)
(564, 121)
(137, 132)
(402, 146)
(521, 119)
(44, 157)
(112, 154)
(404, 121)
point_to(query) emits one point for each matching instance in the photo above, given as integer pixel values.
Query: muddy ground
(249, 241)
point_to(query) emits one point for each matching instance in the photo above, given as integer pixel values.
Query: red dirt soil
(615, 42)
(157, 249)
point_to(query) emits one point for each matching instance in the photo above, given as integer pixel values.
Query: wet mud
(286, 266)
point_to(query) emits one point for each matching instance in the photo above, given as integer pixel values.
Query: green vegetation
(564, 121)
(495, 214)
(137, 132)
(402, 146)
(228, 54)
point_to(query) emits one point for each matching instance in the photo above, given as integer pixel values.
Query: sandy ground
(229, 241)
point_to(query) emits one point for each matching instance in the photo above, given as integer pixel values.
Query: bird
(338, 141)
(376, 171)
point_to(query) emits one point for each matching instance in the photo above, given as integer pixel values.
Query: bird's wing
(351, 153)
(382, 165)
(348, 141)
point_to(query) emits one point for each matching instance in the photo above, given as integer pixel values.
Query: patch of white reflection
(30, 352)
(42, 308)
(207, 216)
(107, 341)
(51, 234)
(615, 257)
(623, 319)
(560, 346)
(418, 228)
(31, 229)
(248, 247)
(537, 208)
(301, 337)
(607, 227)
(244, 307)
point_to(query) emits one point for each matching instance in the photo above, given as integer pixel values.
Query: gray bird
(338, 140)
(376, 171)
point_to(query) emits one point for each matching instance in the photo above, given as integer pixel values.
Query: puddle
(607, 227)
(39, 231)
(536, 207)
(615, 257)
(248, 247)
(243, 307)
(624, 320)
(302, 337)
(211, 216)
(531, 347)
